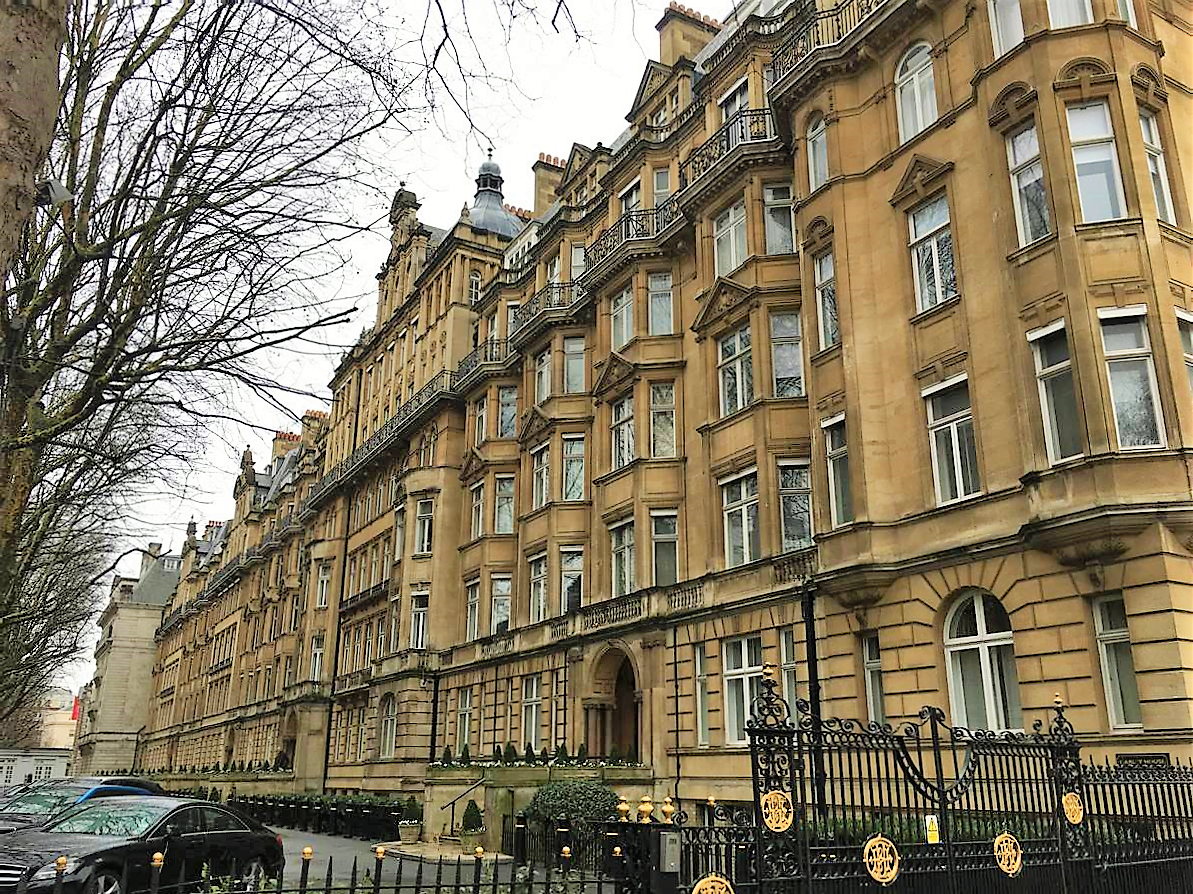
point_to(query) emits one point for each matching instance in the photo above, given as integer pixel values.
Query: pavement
(340, 852)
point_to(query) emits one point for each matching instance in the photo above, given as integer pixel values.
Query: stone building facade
(113, 710)
(891, 300)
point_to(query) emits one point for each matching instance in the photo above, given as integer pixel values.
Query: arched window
(474, 286)
(916, 91)
(817, 154)
(389, 726)
(979, 649)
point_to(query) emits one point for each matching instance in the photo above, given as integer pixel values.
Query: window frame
(749, 676)
(480, 419)
(778, 340)
(777, 212)
(504, 499)
(789, 664)
(1137, 312)
(504, 403)
(387, 746)
(839, 485)
(730, 224)
(907, 78)
(419, 616)
(537, 574)
(825, 287)
(424, 527)
(996, 32)
(656, 539)
(662, 411)
(621, 427)
(932, 238)
(1047, 374)
(1086, 7)
(532, 711)
(1153, 147)
(472, 596)
(700, 679)
(751, 533)
(1184, 327)
(790, 544)
(1016, 170)
(540, 476)
(816, 139)
(985, 643)
(463, 718)
(568, 575)
(660, 299)
(621, 318)
(477, 510)
(622, 553)
(1109, 637)
(571, 459)
(573, 364)
(1108, 139)
(542, 376)
(742, 360)
(507, 598)
(953, 423)
(872, 671)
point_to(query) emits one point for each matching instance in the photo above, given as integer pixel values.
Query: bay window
(659, 287)
(729, 238)
(837, 453)
(571, 579)
(786, 355)
(500, 590)
(795, 505)
(621, 540)
(1157, 170)
(735, 371)
(1028, 194)
(622, 318)
(739, 507)
(1058, 402)
(1095, 161)
(622, 412)
(540, 476)
(953, 445)
(662, 419)
(537, 566)
(503, 505)
(1125, 344)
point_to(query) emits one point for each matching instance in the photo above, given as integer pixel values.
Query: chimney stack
(548, 172)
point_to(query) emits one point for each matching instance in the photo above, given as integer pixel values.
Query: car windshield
(50, 799)
(117, 816)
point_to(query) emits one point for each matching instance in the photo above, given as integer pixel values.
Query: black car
(40, 803)
(109, 845)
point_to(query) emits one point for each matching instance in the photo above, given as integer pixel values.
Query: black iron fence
(368, 821)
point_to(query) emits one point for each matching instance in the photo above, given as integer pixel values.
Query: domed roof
(488, 207)
(490, 166)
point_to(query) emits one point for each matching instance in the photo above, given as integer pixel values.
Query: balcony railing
(491, 352)
(553, 296)
(645, 223)
(442, 385)
(365, 596)
(820, 28)
(747, 126)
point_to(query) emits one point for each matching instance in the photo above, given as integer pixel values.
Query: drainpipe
(335, 656)
(675, 680)
(434, 715)
(812, 654)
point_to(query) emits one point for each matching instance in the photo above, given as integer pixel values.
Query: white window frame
(1126, 12)
(662, 412)
(1134, 355)
(661, 192)
(389, 728)
(790, 543)
(740, 508)
(1107, 638)
(735, 99)
(542, 376)
(481, 410)
(1106, 139)
(463, 718)
(1045, 375)
(571, 570)
(573, 364)
(477, 508)
(504, 501)
(741, 361)
(840, 487)
(419, 613)
(579, 261)
(789, 664)
(540, 476)
(985, 643)
(825, 282)
(424, 527)
(622, 432)
(1184, 324)
(536, 575)
(954, 425)
(472, 591)
(474, 287)
(660, 305)
(532, 710)
(323, 585)
(747, 677)
(1085, 13)
(778, 223)
(918, 82)
(506, 582)
(1157, 168)
(932, 239)
(630, 198)
(671, 539)
(1005, 12)
(794, 342)
(573, 457)
(729, 230)
(817, 143)
(872, 670)
(1020, 168)
(621, 545)
(621, 318)
(503, 403)
(700, 674)
(316, 666)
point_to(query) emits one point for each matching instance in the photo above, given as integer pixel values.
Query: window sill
(824, 354)
(1119, 223)
(730, 418)
(614, 474)
(1033, 250)
(948, 504)
(934, 310)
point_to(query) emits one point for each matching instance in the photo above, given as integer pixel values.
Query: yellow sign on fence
(932, 824)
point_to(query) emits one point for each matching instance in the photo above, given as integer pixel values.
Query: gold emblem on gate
(1008, 853)
(777, 812)
(1074, 809)
(881, 858)
(713, 884)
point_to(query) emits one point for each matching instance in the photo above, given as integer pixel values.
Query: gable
(534, 425)
(722, 299)
(917, 179)
(473, 465)
(577, 159)
(655, 75)
(615, 373)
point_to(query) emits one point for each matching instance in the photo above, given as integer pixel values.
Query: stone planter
(409, 833)
(470, 841)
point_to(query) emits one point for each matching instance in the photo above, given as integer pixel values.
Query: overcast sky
(562, 90)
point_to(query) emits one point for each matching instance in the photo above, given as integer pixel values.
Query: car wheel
(105, 882)
(252, 875)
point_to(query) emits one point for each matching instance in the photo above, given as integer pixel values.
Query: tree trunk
(31, 35)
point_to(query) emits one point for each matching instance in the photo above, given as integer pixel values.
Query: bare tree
(212, 152)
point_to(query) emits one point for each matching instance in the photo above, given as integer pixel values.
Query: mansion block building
(884, 307)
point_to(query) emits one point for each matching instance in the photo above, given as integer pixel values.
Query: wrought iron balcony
(410, 414)
(818, 28)
(488, 357)
(633, 226)
(553, 303)
(746, 127)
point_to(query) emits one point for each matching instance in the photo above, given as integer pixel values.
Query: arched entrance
(611, 712)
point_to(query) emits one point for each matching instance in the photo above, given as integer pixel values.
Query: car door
(233, 845)
(186, 849)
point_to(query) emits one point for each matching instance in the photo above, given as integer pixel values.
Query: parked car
(109, 846)
(43, 802)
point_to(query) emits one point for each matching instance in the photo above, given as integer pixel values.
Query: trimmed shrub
(585, 798)
(447, 755)
(465, 756)
(473, 821)
(412, 811)
(528, 755)
(511, 754)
